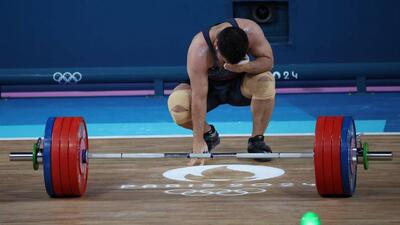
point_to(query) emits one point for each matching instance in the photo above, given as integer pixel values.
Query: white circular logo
(223, 173)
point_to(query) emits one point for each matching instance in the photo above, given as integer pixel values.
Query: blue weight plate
(348, 165)
(47, 156)
(354, 164)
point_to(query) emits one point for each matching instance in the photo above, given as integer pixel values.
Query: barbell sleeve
(379, 156)
(22, 156)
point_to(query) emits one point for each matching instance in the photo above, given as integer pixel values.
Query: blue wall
(344, 31)
(127, 33)
(89, 33)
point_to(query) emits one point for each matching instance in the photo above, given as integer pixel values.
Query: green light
(310, 218)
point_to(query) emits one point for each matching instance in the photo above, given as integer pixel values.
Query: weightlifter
(220, 73)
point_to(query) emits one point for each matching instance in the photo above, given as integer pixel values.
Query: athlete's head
(232, 43)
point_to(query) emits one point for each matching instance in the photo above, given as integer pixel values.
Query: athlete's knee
(260, 86)
(179, 104)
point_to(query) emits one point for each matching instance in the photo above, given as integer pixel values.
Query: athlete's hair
(233, 44)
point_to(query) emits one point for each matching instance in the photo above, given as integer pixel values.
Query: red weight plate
(327, 155)
(55, 157)
(74, 159)
(77, 169)
(64, 170)
(335, 160)
(318, 155)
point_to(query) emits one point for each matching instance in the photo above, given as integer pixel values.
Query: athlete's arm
(197, 67)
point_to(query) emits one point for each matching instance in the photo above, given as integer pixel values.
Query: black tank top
(217, 73)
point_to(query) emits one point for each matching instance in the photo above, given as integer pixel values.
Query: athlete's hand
(236, 68)
(198, 147)
(239, 67)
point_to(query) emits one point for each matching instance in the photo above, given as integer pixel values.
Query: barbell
(64, 153)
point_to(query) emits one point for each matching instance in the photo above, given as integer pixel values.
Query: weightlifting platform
(151, 191)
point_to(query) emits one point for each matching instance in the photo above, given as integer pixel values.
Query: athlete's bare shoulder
(198, 54)
(245, 21)
(249, 26)
(254, 33)
(199, 43)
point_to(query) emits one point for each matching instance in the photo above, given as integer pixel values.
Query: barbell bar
(64, 153)
(372, 156)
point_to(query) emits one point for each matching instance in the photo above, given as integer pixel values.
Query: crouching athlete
(220, 73)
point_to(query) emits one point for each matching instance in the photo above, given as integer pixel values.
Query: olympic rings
(67, 77)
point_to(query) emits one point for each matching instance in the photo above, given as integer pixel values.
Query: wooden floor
(135, 192)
